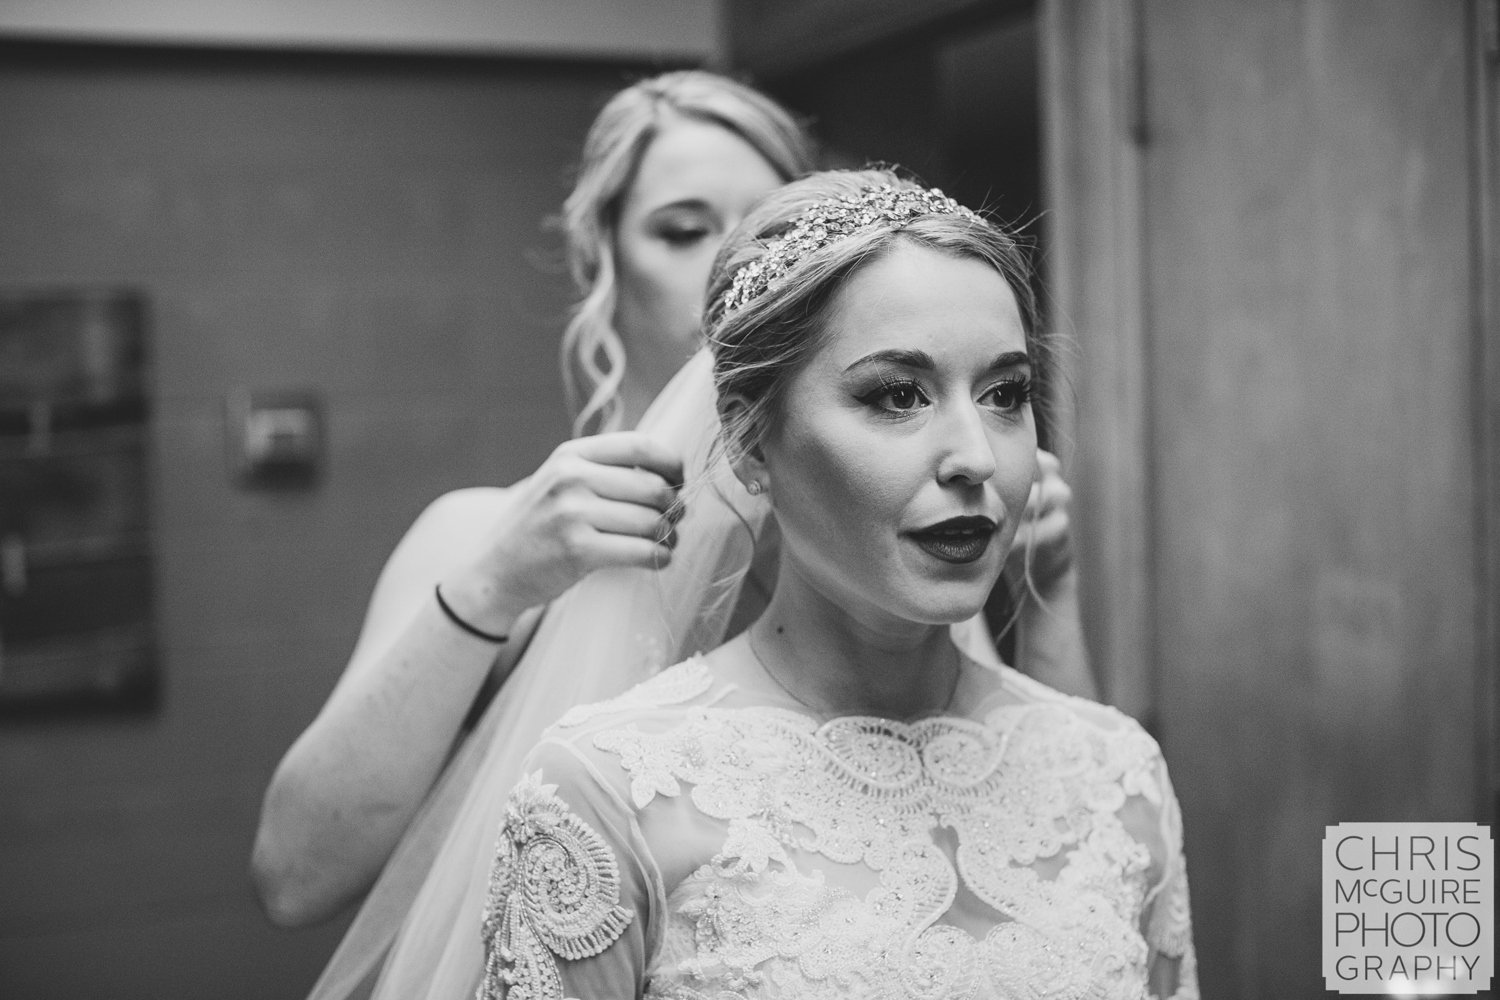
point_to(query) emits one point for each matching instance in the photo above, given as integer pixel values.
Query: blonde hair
(592, 353)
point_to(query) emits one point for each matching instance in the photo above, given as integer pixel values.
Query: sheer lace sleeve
(569, 902)
(1168, 915)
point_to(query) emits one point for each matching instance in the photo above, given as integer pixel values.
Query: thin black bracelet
(453, 617)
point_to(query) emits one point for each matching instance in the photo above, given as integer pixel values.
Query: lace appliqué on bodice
(846, 845)
(554, 891)
(670, 687)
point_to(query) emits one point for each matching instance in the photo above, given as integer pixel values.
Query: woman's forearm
(347, 789)
(350, 785)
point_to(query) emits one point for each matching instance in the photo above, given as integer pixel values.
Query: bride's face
(904, 450)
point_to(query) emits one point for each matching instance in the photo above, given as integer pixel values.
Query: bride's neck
(841, 663)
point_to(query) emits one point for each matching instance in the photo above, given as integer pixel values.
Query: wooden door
(1269, 233)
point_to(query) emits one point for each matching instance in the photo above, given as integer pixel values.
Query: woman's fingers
(603, 550)
(615, 518)
(1051, 491)
(625, 485)
(630, 449)
(610, 500)
(1048, 530)
(1043, 546)
(1048, 498)
(627, 467)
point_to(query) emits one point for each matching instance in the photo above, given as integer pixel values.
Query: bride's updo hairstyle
(775, 277)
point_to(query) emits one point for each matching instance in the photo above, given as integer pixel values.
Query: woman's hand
(1043, 580)
(1041, 557)
(599, 502)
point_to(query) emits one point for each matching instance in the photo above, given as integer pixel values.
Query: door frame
(1093, 142)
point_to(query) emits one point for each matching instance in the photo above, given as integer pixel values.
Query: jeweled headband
(828, 222)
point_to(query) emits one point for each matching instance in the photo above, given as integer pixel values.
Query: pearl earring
(754, 488)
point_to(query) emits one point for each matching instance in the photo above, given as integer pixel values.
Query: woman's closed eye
(683, 229)
(683, 236)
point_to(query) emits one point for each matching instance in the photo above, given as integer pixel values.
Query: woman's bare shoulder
(469, 502)
(443, 534)
(458, 514)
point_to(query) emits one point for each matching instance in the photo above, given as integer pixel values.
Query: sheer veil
(418, 933)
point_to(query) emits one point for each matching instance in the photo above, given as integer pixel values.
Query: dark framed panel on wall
(76, 607)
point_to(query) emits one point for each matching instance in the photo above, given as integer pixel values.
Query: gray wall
(368, 227)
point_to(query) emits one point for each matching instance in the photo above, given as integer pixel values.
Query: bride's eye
(1010, 395)
(896, 396)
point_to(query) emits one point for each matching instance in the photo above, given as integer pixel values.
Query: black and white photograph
(749, 499)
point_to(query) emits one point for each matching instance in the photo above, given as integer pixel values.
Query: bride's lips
(956, 540)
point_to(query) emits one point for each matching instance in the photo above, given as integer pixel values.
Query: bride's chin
(951, 612)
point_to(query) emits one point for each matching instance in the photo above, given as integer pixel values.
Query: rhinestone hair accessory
(829, 221)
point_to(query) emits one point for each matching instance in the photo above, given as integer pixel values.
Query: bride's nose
(964, 452)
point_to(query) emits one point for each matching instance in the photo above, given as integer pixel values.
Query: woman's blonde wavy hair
(592, 354)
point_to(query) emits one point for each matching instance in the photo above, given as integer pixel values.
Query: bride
(840, 802)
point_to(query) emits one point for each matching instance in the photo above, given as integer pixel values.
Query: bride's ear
(742, 441)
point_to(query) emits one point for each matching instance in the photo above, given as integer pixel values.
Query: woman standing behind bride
(669, 166)
(840, 801)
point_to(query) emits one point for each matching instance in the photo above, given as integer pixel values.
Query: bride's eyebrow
(1010, 359)
(922, 361)
(908, 359)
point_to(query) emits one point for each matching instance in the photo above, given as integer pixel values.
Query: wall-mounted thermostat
(276, 437)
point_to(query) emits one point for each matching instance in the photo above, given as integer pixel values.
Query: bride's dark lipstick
(956, 540)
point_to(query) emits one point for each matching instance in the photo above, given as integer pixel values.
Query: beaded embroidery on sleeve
(554, 893)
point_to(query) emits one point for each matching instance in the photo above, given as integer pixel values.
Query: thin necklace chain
(825, 713)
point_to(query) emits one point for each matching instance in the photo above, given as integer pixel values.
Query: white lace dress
(702, 837)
